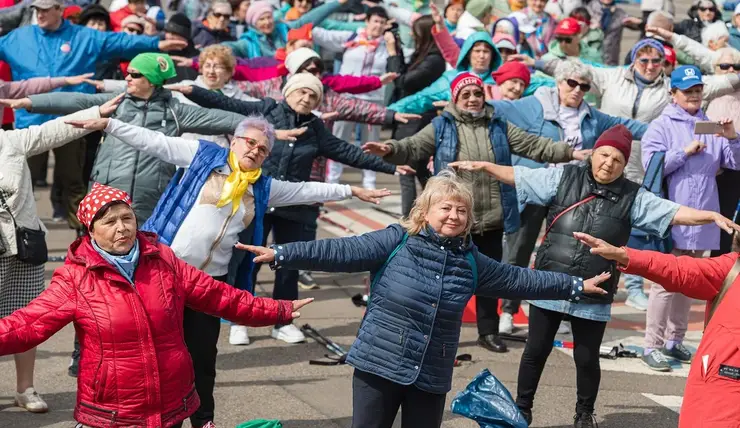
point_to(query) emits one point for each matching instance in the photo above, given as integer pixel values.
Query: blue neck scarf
(126, 264)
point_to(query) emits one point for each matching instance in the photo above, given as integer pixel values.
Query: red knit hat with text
(511, 70)
(100, 195)
(619, 137)
(462, 80)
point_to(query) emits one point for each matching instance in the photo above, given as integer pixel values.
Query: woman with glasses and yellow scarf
(217, 193)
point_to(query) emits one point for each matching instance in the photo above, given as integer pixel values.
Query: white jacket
(15, 178)
(360, 61)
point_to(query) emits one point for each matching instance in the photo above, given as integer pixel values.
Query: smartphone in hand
(707, 128)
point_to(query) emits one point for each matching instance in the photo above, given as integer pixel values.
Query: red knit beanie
(619, 137)
(462, 80)
(511, 70)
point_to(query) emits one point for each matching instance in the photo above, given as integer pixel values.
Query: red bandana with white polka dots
(100, 196)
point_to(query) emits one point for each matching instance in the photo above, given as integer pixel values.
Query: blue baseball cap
(685, 77)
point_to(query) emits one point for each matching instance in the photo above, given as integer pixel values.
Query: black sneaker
(527, 414)
(678, 352)
(585, 420)
(306, 281)
(74, 365)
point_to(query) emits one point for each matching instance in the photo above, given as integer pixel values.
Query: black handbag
(31, 243)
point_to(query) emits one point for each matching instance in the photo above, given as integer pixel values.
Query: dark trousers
(201, 337)
(375, 403)
(488, 243)
(587, 336)
(729, 193)
(69, 162)
(283, 232)
(408, 186)
(520, 245)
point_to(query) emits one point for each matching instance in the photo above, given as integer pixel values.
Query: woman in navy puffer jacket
(424, 272)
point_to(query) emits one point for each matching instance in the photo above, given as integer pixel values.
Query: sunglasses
(564, 39)
(136, 75)
(476, 94)
(728, 66)
(585, 87)
(134, 30)
(312, 70)
(653, 61)
(221, 15)
(705, 9)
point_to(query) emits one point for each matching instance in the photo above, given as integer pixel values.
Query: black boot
(493, 343)
(527, 413)
(74, 365)
(585, 420)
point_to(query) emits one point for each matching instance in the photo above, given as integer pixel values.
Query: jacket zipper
(444, 350)
(220, 236)
(113, 413)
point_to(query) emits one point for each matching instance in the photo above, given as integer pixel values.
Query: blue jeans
(634, 284)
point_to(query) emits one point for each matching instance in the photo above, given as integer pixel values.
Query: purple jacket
(691, 179)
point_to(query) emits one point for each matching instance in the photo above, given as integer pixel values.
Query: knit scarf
(125, 264)
(237, 183)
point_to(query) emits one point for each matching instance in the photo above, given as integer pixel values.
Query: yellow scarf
(237, 183)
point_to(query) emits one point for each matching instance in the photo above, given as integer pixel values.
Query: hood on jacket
(513, 22)
(674, 112)
(694, 10)
(467, 117)
(550, 101)
(82, 252)
(463, 61)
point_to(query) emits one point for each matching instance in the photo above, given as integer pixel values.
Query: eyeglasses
(585, 87)
(221, 15)
(564, 39)
(213, 67)
(476, 94)
(133, 30)
(653, 61)
(135, 75)
(728, 66)
(705, 9)
(252, 144)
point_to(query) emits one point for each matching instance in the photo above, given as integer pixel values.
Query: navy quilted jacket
(412, 326)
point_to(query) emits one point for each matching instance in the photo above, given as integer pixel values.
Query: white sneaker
(564, 327)
(506, 323)
(238, 335)
(289, 334)
(31, 401)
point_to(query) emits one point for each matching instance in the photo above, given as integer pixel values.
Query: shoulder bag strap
(5, 206)
(726, 284)
(562, 213)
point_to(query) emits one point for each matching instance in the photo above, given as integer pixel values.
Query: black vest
(606, 217)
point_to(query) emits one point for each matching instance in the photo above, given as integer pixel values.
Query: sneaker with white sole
(656, 361)
(506, 323)
(564, 327)
(638, 301)
(238, 335)
(209, 424)
(288, 333)
(31, 401)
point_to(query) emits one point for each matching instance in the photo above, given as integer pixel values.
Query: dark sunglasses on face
(136, 75)
(476, 94)
(221, 15)
(705, 9)
(312, 70)
(728, 66)
(585, 87)
(653, 61)
(564, 39)
(134, 30)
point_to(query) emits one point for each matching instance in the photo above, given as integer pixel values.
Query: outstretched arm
(56, 133)
(177, 151)
(212, 99)
(286, 193)
(536, 186)
(360, 253)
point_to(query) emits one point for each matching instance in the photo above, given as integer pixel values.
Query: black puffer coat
(692, 26)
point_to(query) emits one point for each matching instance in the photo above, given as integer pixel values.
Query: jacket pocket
(101, 382)
(388, 344)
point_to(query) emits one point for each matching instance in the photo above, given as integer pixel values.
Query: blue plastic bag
(488, 402)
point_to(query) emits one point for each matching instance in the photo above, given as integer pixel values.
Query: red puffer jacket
(134, 369)
(713, 387)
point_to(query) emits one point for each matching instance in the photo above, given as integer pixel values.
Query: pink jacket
(24, 88)
(446, 44)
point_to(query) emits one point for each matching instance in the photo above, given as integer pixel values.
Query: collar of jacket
(230, 89)
(613, 190)
(630, 76)
(296, 120)
(159, 94)
(456, 243)
(465, 117)
(550, 101)
(674, 112)
(81, 251)
(63, 26)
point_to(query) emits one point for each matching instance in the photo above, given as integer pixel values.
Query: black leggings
(587, 336)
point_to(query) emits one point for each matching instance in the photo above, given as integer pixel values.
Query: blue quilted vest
(445, 132)
(182, 192)
(411, 329)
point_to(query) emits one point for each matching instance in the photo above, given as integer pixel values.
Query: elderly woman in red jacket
(126, 294)
(713, 388)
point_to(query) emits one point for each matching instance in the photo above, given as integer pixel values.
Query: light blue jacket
(423, 100)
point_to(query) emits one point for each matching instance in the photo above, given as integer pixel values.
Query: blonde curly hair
(219, 53)
(444, 186)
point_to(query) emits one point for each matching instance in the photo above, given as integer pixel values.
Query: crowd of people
(189, 135)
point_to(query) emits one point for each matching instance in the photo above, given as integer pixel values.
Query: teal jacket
(421, 101)
(327, 24)
(253, 43)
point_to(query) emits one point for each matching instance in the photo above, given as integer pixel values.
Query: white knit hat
(303, 80)
(296, 58)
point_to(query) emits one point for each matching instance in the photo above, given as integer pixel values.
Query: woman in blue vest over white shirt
(470, 130)
(424, 272)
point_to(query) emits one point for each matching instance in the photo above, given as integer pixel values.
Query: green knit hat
(156, 67)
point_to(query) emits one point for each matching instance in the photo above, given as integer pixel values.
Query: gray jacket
(117, 164)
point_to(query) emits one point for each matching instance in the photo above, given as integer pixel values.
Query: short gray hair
(713, 32)
(658, 17)
(257, 122)
(569, 69)
(732, 52)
